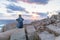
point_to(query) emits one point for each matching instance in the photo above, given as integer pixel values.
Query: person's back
(20, 22)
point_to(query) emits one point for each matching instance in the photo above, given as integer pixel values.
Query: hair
(20, 15)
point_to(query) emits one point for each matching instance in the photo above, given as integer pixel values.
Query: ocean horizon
(4, 22)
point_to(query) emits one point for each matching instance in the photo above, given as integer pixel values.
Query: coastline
(7, 22)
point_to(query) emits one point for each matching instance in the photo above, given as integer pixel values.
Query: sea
(4, 22)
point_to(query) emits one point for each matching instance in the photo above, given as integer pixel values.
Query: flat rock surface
(6, 35)
(46, 36)
(54, 28)
(30, 29)
(57, 38)
(30, 32)
(19, 35)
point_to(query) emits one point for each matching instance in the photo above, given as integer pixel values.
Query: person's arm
(22, 19)
(16, 19)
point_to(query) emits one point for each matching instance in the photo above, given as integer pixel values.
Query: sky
(29, 9)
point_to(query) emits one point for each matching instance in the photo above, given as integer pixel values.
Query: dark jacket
(20, 22)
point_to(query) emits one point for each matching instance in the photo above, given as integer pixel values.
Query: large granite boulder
(46, 36)
(6, 35)
(19, 35)
(57, 38)
(9, 26)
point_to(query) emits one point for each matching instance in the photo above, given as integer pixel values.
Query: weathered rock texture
(19, 35)
(9, 26)
(51, 25)
(6, 35)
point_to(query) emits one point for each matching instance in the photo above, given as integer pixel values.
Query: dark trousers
(20, 25)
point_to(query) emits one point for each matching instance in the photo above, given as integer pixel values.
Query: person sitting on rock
(20, 22)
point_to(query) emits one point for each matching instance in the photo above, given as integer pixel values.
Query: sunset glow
(10, 9)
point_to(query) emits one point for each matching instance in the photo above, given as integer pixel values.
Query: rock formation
(50, 25)
(9, 26)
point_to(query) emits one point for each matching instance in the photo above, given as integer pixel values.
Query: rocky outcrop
(36, 28)
(57, 38)
(47, 21)
(44, 22)
(9, 26)
(18, 34)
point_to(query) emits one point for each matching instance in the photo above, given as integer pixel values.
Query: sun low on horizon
(29, 9)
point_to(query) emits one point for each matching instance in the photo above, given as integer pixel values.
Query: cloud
(9, 11)
(37, 1)
(32, 1)
(12, 0)
(15, 7)
(1, 14)
(27, 15)
(42, 14)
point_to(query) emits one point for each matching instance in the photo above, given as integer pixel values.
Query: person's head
(19, 15)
